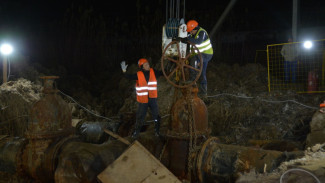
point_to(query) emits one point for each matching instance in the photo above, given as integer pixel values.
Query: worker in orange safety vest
(147, 93)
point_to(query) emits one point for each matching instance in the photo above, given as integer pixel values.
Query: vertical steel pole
(222, 18)
(4, 64)
(268, 68)
(295, 11)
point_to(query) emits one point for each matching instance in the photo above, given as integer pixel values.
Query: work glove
(123, 66)
(184, 40)
(178, 39)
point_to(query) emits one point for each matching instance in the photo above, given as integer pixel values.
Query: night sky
(19, 19)
(88, 38)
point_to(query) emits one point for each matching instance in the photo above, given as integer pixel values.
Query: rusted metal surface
(50, 117)
(11, 149)
(224, 162)
(178, 75)
(31, 160)
(181, 115)
(188, 129)
(40, 157)
(49, 123)
(175, 157)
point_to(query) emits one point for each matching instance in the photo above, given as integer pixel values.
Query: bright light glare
(6, 49)
(308, 44)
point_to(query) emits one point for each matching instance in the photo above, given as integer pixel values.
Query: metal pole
(295, 4)
(221, 19)
(4, 69)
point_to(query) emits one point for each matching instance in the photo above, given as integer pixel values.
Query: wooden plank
(161, 175)
(117, 137)
(137, 165)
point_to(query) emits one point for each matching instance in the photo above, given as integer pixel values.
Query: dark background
(84, 41)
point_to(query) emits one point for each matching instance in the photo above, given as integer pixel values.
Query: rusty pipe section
(50, 117)
(13, 152)
(48, 129)
(11, 149)
(188, 129)
(189, 108)
(224, 162)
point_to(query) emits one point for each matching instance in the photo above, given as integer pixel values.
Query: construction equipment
(176, 54)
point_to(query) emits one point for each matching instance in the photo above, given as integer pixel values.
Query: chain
(186, 136)
(177, 73)
(194, 131)
(190, 147)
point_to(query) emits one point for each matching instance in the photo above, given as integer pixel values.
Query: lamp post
(6, 49)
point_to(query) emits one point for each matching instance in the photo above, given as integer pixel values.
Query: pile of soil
(16, 99)
(306, 169)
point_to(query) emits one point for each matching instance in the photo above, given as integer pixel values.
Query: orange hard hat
(191, 24)
(142, 61)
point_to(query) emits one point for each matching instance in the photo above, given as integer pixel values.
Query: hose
(299, 169)
(270, 101)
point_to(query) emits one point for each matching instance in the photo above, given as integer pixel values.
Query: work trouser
(203, 79)
(142, 112)
(290, 66)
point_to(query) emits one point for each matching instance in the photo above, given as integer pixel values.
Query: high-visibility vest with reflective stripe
(205, 46)
(145, 90)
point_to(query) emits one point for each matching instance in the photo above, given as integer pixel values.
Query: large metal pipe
(11, 149)
(222, 163)
(72, 161)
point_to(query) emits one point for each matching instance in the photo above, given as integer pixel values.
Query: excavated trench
(241, 113)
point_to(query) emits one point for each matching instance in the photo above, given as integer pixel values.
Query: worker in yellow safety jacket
(147, 93)
(199, 37)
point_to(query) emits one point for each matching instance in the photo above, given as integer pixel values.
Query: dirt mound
(240, 107)
(306, 169)
(16, 99)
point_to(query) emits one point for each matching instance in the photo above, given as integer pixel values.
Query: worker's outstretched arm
(128, 76)
(123, 66)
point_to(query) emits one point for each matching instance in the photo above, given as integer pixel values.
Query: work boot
(137, 129)
(157, 127)
(135, 134)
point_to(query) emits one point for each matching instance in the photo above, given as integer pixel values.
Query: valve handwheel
(181, 66)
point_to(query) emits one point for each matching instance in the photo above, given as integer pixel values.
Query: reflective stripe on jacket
(144, 89)
(205, 46)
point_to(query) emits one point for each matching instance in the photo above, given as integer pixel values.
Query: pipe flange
(205, 145)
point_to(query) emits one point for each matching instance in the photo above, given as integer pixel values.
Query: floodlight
(308, 44)
(6, 49)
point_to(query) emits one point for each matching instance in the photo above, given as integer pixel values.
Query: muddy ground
(241, 110)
